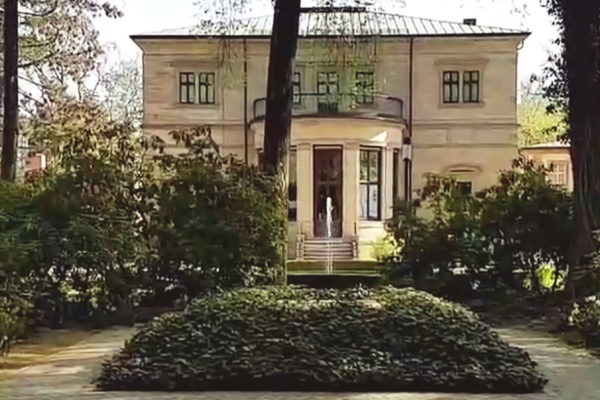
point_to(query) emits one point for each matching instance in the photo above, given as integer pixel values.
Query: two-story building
(380, 101)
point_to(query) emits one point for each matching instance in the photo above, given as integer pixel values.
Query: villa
(380, 101)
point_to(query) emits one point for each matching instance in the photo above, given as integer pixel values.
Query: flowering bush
(585, 317)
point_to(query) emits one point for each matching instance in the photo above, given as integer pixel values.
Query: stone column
(387, 182)
(351, 189)
(305, 189)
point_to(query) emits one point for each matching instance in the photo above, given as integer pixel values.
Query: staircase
(320, 249)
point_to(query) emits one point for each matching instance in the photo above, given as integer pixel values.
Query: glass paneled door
(327, 184)
(328, 91)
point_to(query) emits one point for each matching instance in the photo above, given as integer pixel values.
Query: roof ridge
(404, 25)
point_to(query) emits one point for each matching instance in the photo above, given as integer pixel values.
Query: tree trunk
(11, 91)
(278, 120)
(582, 55)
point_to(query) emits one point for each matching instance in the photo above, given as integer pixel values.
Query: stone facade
(469, 140)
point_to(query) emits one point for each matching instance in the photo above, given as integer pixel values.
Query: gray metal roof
(318, 22)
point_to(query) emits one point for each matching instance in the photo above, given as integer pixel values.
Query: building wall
(550, 157)
(470, 141)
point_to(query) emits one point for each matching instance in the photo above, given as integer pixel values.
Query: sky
(142, 16)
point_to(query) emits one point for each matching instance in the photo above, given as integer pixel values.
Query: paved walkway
(573, 375)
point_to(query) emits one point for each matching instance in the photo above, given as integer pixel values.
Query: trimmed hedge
(288, 338)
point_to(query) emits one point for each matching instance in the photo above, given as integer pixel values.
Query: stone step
(325, 249)
(325, 240)
(325, 256)
(347, 257)
(321, 249)
(326, 245)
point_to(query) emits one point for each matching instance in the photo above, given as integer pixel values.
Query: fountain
(329, 221)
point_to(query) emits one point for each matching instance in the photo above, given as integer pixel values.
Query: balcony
(376, 106)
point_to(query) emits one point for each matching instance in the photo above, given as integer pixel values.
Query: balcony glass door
(328, 91)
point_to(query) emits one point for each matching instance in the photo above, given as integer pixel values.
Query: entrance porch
(356, 164)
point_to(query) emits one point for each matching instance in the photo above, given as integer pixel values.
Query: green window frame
(365, 87)
(370, 184)
(471, 92)
(206, 88)
(451, 83)
(187, 88)
(297, 88)
(328, 90)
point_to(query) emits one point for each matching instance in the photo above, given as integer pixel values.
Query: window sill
(480, 104)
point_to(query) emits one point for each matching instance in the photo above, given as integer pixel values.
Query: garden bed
(286, 338)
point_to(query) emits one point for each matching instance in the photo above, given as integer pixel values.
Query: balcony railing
(349, 105)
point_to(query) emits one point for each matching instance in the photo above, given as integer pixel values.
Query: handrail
(375, 105)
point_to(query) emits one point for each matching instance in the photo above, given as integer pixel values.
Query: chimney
(470, 21)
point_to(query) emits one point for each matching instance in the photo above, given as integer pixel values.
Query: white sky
(142, 16)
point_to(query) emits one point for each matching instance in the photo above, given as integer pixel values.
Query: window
(292, 185)
(187, 88)
(471, 87)
(206, 88)
(327, 88)
(559, 172)
(465, 187)
(297, 88)
(364, 87)
(451, 86)
(370, 161)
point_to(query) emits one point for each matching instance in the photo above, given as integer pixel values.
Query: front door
(328, 184)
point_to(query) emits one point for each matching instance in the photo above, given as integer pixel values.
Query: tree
(573, 84)
(540, 122)
(278, 119)
(577, 80)
(121, 92)
(11, 89)
(58, 46)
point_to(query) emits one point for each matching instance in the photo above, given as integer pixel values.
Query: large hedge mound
(287, 338)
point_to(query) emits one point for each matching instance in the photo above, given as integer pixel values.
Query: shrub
(16, 318)
(287, 338)
(384, 248)
(112, 217)
(212, 221)
(528, 222)
(496, 237)
(446, 240)
(585, 317)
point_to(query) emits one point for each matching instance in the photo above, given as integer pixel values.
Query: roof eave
(404, 35)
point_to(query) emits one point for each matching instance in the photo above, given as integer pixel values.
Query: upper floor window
(364, 87)
(370, 171)
(206, 88)
(187, 88)
(451, 86)
(328, 88)
(297, 88)
(471, 87)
